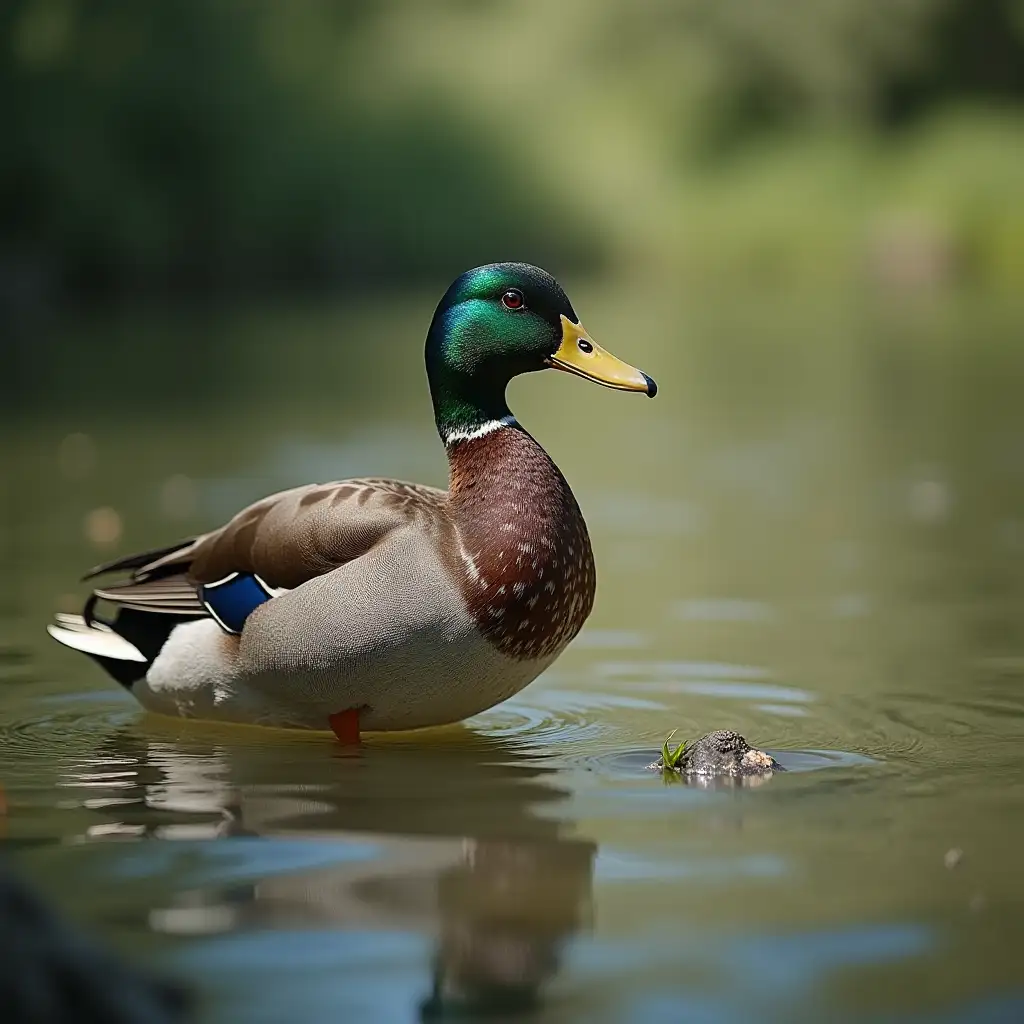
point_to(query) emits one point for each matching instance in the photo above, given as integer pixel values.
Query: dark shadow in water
(436, 836)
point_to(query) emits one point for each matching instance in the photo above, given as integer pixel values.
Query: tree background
(244, 147)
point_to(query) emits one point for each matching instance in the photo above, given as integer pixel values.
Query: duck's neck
(467, 407)
(526, 567)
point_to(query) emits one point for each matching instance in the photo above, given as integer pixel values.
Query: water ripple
(724, 609)
(559, 717)
(54, 740)
(697, 669)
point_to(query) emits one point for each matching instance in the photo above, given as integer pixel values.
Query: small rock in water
(722, 752)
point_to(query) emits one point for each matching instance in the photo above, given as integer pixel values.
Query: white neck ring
(480, 430)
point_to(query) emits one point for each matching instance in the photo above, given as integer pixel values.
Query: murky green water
(815, 536)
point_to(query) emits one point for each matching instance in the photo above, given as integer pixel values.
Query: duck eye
(513, 299)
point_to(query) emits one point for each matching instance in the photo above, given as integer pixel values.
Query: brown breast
(525, 565)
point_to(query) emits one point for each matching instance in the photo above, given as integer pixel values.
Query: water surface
(815, 535)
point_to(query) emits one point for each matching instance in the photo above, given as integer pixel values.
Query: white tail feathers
(72, 631)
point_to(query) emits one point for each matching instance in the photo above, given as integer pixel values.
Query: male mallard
(377, 604)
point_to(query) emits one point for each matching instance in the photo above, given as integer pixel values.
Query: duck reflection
(438, 835)
(506, 911)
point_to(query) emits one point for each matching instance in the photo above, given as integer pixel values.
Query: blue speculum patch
(233, 599)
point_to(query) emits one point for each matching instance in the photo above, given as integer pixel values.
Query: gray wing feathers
(171, 595)
(286, 539)
(292, 537)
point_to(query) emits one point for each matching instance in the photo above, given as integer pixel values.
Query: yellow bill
(580, 354)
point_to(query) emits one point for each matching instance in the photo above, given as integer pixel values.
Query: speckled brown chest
(526, 569)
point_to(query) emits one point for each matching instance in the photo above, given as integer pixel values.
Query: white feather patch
(93, 640)
(480, 431)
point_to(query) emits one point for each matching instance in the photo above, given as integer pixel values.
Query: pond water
(815, 536)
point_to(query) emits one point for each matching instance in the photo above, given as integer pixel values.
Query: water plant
(672, 760)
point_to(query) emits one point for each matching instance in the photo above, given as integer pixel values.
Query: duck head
(498, 321)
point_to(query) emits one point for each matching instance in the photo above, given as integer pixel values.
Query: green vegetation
(672, 760)
(938, 204)
(233, 147)
(216, 147)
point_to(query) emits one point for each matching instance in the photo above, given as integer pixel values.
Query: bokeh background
(223, 230)
(196, 149)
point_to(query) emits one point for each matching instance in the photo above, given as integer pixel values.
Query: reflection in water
(437, 838)
(717, 782)
(505, 911)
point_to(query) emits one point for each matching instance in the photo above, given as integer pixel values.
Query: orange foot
(345, 725)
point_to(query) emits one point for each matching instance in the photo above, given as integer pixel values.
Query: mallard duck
(375, 604)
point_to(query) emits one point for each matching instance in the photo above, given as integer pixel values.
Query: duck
(375, 605)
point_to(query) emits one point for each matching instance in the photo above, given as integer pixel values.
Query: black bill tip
(652, 388)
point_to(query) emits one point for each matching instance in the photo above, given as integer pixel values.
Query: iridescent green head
(501, 320)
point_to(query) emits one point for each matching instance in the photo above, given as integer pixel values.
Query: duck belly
(403, 650)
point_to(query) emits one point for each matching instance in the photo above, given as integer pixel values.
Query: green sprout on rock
(672, 760)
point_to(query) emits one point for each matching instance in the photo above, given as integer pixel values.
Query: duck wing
(284, 539)
(291, 537)
(157, 581)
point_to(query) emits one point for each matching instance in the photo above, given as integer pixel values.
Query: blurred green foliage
(212, 146)
(244, 144)
(747, 67)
